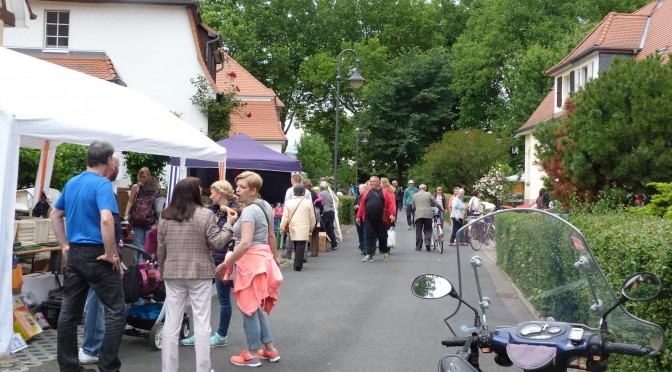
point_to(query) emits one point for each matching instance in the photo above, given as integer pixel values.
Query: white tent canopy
(40, 101)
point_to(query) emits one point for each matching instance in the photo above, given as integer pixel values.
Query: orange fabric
(258, 280)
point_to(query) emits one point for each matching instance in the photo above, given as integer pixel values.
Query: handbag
(290, 217)
(391, 237)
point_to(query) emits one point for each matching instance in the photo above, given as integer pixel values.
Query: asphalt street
(342, 314)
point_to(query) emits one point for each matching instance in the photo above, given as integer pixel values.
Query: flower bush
(494, 186)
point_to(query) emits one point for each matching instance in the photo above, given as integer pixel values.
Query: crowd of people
(231, 243)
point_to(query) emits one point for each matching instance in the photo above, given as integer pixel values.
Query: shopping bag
(391, 237)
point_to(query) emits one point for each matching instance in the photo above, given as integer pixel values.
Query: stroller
(143, 280)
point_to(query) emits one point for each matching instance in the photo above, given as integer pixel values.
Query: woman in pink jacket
(256, 274)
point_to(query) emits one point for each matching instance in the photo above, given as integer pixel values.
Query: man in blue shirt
(408, 203)
(88, 204)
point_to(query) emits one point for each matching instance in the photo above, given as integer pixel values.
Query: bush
(346, 215)
(626, 243)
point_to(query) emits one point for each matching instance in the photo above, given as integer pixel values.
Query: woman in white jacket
(300, 216)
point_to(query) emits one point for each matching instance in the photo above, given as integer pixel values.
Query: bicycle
(437, 231)
(482, 232)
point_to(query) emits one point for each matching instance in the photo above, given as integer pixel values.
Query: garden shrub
(346, 215)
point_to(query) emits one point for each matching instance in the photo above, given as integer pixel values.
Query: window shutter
(558, 93)
(571, 82)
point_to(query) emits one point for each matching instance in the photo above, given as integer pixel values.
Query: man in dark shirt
(398, 195)
(377, 211)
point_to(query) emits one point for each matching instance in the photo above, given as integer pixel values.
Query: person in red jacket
(377, 213)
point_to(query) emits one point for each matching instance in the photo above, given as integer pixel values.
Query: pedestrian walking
(88, 205)
(314, 241)
(224, 204)
(295, 179)
(441, 199)
(187, 235)
(300, 216)
(328, 213)
(457, 216)
(408, 203)
(361, 232)
(398, 195)
(94, 321)
(422, 204)
(256, 269)
(140, 230)
(377, 213)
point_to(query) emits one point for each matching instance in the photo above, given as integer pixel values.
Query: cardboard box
(24, 323)
(322, 242)
(36, 287)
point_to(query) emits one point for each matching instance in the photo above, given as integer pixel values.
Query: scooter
(552, 267)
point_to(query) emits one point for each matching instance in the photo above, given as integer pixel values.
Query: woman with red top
(256, 272)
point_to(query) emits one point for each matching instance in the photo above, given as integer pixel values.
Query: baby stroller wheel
(155, 335)
(184, 331)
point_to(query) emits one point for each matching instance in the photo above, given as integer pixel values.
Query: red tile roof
(659, 35)
(543, 113)
(616, 32)
(262, 124)
(259, 101)
(99, 66)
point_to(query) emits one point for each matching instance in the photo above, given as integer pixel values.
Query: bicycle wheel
(440, 242)
(476, 238)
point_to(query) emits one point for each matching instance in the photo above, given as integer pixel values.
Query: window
(584, 75)
(57, 29)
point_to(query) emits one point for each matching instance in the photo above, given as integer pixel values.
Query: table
(52, 259)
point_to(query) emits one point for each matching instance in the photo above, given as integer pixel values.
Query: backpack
(142, 212)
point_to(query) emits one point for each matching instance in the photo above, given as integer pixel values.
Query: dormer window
(57, 29)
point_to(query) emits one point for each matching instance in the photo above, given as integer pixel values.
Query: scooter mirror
(430, 286)
(642, 287)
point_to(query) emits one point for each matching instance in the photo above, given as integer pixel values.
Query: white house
(154, 46)
(635, 35)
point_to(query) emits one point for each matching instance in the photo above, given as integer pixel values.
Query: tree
(216, 107)
(136, 160)
(409, 108)
(70, 160)
(462, 157)
(616, 132)
(315, 156)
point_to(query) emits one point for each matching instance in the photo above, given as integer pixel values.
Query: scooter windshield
(552, 266)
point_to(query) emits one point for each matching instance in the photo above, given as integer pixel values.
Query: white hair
(324, 185)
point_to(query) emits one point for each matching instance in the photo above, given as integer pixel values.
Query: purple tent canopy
(243, 152)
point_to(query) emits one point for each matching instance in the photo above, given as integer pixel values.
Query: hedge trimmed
(346, 215)
(623, 244)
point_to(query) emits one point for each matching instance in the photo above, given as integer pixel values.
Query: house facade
(633, 35)
(152, 46)
(262, 110)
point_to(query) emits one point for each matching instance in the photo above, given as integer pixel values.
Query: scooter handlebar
(454, 341)
(626, 349)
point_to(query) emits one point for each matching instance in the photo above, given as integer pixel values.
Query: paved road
(341, 314)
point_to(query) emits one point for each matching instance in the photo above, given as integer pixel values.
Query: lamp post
(356, 81)
(364, 141)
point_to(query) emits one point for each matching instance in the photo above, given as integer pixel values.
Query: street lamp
(364, 141)
(356, 81)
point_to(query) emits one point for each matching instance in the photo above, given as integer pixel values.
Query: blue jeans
(139, 241)
(257, 330)
(328, 219)
(86, 272)
(94, 325)
(361, 233)
(410, 215)
(224, 296)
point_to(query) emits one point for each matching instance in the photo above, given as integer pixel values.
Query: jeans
(361, 233)
(94, 325)
(139, 241)
(328, 218)
(257, 330)
(87, 272)
(457, 224)
(177, 291)
(410, 214)
(375, 230)
(423, 226)
(224, 297)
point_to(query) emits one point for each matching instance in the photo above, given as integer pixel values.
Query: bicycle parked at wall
(481, 233)
(437, 230)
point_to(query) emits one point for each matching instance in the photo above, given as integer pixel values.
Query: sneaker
(452, 244)
(189, 341)
(368, 257)
(245, 359)
(386, 256)
(272, 356)
(464, 244)
(218, 341)
(85, 358)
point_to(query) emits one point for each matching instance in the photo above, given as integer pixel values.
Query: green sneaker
(189, 341)
(218, 341)
(368, 257)
(386, 256)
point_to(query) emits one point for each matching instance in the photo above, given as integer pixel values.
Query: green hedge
(623, 244)
(346, 215)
